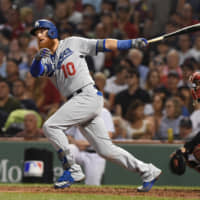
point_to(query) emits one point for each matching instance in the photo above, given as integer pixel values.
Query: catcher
(188, 155)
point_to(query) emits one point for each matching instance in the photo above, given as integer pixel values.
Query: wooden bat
(187, 29)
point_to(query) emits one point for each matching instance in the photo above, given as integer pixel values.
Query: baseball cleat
(73, 175)
(65, 180)
(146, 186)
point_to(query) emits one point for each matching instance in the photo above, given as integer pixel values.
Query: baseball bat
(187, 29)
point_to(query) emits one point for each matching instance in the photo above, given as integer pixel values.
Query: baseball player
(63, 61)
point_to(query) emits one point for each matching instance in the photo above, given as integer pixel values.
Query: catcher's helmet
(43, 23)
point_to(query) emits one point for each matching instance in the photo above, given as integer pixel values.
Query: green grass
(69, 196)
(42, 196)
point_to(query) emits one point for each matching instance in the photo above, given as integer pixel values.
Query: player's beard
(48, 43)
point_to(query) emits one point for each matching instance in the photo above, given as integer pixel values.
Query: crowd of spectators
(147, 91)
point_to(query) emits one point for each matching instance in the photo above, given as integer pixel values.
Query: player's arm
(37, 68)
(113, 44)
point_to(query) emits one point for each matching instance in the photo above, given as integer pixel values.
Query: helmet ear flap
(51, 34)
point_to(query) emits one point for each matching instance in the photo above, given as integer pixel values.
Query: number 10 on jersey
(69, 69)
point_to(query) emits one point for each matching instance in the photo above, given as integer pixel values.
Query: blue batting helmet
(43, 23)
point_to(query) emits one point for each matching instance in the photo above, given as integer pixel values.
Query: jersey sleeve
(84, 45)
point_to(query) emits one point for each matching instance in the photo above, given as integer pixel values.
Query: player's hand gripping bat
(187, 29)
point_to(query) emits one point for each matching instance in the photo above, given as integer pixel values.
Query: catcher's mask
(177, 163)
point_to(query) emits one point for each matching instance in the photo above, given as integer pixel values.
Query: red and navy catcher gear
(43, 23)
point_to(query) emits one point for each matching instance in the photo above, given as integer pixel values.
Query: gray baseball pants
(84, 110)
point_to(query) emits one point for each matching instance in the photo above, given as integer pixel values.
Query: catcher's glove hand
(42, 53)
(139, 43)
(195, 80)
(177, 163)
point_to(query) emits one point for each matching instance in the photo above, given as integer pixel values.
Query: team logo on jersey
(66, 53)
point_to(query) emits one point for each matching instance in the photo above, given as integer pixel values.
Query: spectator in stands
(13, 22)
(120, 128)
(172, 82)
(152, 82)
(162, 49)
(124, 98)
(95, 4)
(185, 93)
(107, 6)
(100, 82)
(138, 127)
(73, 16)
(2, 63)
(41, 9)
(87, 25)
(111, 31)
(44, 93)
(118, 82)
(24, 66)
(123, 23)
(31, 130)
(26, 16)
(187, 15)
(12, 71)
(172, 65)
(187, 70)
(15, 52)
(158, 14)
(185, 128)
(19, 92)
(24, 40)
(136, 57)
(158, 102)
(171, 119)
(7, 103)
(184, 44)
(5, 6)
(195, 51)
(60, 13)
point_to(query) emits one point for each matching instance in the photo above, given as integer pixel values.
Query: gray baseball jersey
(70, 71)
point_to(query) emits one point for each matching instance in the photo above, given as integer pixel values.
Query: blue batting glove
(139, 43)
(42, 53)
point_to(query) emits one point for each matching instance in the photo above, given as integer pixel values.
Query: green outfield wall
(12, 154)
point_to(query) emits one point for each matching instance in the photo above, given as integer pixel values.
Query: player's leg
(80, 109)
(96, 134)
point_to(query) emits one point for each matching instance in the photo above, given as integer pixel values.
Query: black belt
(90, 151)
(75, 93)
(78, 92)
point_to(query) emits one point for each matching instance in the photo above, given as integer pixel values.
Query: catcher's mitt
(177, 163)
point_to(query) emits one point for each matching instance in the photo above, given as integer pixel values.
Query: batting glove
(139, 43)
(42, 53)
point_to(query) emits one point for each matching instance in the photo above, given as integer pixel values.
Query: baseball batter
(63, 61)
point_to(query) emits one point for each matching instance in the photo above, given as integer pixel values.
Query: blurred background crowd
(146, 92)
